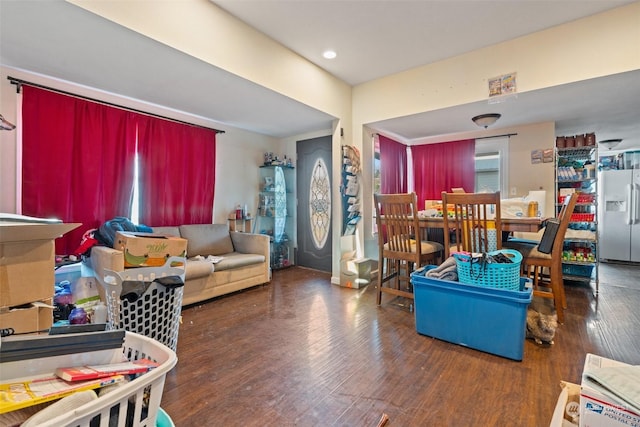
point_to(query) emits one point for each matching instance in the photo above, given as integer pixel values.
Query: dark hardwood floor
(302, 352)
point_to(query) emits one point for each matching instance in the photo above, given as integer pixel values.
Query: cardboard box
(598, 406)
(148, 249)
(363, 267)
(349, 279)
(33, 317)
(355, 273)
(567, 410)
(27, 261)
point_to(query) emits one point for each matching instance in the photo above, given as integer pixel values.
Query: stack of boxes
(27, 264)
(609, 396)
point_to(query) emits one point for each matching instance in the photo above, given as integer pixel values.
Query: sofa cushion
(167, 231)
(236, 260)
(206, 239)
(196, 269)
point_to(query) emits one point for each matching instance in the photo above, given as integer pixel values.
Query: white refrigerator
(619, 219)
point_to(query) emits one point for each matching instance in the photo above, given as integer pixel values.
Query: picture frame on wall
(536, 156)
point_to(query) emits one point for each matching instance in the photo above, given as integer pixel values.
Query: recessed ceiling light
(329, 54)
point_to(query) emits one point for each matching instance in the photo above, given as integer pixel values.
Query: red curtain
(440, 167)
(393, 166)
(177, 174)
(77, 161)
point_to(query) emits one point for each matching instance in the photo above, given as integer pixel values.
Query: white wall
(238, 153)
(7, 146)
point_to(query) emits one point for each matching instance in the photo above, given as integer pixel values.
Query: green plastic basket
(474, 271)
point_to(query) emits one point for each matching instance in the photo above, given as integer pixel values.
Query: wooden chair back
(401, 250)
(474, 222)
(535, 263)
(564, 216)
(398, 226)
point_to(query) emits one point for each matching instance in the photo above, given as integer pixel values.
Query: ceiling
(60, 40)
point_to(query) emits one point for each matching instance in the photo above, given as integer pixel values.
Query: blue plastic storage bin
(577, 270)
(486, 319)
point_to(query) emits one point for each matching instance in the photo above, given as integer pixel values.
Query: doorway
(314, 220)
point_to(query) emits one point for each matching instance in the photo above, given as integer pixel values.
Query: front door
(314, 203)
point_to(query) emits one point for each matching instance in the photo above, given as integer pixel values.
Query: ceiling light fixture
(329, 54)
(610, 143)
(486, 120)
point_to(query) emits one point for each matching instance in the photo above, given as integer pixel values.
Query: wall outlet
(513, 191)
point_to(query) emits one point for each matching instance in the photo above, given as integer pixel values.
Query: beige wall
(557, 56)
(204, 31)
(525, 176)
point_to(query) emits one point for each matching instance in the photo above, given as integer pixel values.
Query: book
(45, 388)
(89, 372)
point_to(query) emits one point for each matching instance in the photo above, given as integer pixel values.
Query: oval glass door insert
(319, 204)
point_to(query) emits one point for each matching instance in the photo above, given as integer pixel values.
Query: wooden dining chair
(399, 251)
(546, 268)
(474, 222)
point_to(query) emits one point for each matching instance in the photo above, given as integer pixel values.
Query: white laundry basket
(136, 403)
(156, 312)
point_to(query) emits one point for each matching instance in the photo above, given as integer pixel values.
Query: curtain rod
(496, 136)
(481, 137)
(20, 82)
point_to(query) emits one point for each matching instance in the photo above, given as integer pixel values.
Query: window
(491, 161)
(91, 150)
(376, 166)
(135, 201)
(376, 180)
(487, 172)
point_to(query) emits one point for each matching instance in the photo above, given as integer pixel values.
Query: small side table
(242, 225)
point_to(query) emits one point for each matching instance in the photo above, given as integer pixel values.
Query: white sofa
(245, 260)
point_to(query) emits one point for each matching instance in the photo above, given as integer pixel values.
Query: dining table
(522, 224)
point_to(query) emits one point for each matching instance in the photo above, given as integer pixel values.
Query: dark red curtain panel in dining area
(393, 166)
(441, 167)
(177, 175)
(77, 161)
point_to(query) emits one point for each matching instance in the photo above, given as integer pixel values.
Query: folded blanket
(451, 276)
(445, 271)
